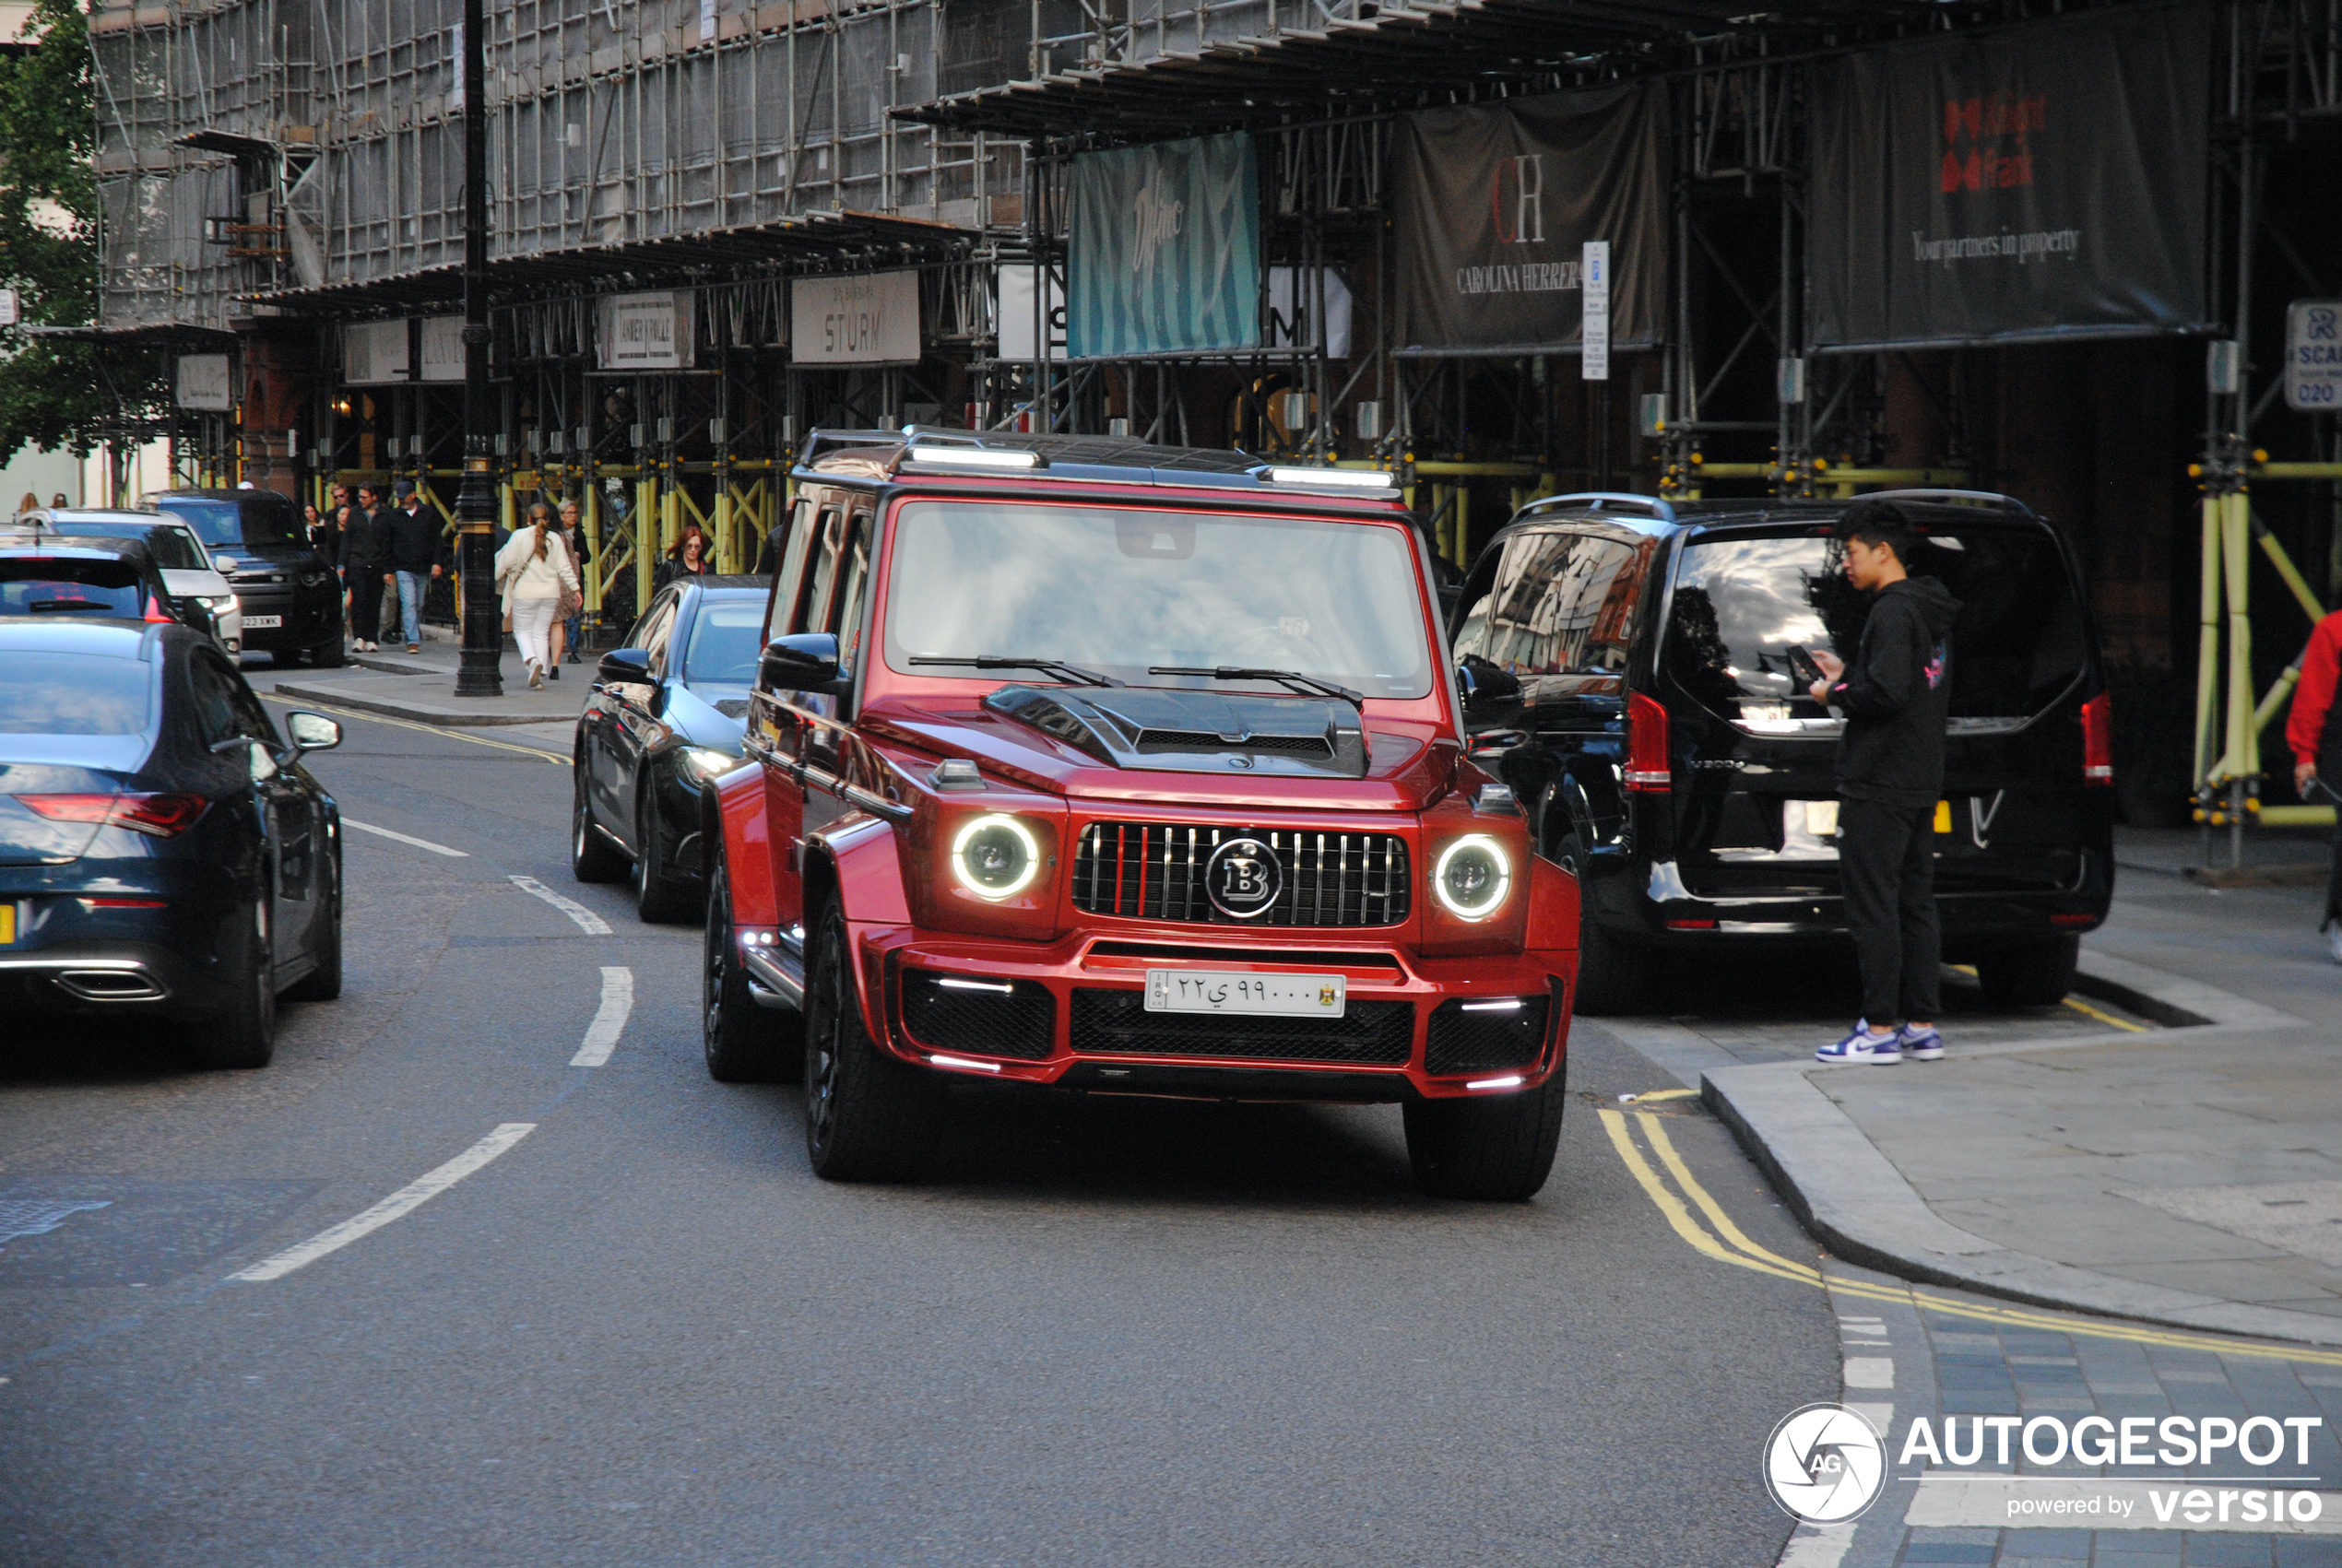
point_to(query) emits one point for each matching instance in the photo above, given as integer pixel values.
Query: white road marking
(406, 1200)
(609, 1019)
(587, 921)
(1817, 1546)
(402, 838)
(1870, 1371)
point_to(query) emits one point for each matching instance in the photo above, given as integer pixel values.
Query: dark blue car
(162, 850)
(668, 713)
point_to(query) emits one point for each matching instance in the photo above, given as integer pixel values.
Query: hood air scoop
(1197, 732)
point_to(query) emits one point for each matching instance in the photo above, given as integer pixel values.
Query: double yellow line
(444, 732)
(1695, 1216)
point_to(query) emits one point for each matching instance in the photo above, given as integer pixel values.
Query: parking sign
(2313, 356)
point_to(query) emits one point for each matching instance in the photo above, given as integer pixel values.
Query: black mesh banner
(2042, 182)
(1492, 207)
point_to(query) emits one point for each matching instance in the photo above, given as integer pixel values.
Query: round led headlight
(1472, 878)
(994, 857)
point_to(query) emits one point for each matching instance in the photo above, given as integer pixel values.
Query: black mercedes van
(1626, 666)
(290, 600)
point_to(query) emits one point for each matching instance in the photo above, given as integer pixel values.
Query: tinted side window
(797, 530)
(790, 590)
(652, 635)
(827, 550)
(1560, 603)
(216, 717)
(851, 593)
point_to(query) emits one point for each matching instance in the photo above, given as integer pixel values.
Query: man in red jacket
(2314, 731)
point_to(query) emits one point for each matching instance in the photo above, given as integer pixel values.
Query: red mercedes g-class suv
(1125, 768)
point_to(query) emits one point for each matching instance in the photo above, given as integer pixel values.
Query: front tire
(2035, 975)
(868, 1117)
(329, 653)
(744, 1043)
(1612, 976)
(1498, 1149)
(591, 858)
(245, 1035)
(659, 897)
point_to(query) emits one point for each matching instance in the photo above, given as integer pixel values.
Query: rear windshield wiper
(1011, 661)
(1294, 678)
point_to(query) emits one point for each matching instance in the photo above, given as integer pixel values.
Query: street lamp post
(479, 675)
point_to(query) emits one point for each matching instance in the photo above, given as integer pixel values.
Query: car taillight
(162, 816)
(2097, 739)
(1645, 744)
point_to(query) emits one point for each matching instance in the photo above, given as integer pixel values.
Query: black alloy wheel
(328, 655)
(1612, 976)
(591, 858)
(868, 1117)
(1498, 1149)
(659, 896)
(744, 1043)
(245, 1034)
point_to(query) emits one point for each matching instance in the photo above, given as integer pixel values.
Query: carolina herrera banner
(1166, 250)
(1493, 205)
(2042, 182)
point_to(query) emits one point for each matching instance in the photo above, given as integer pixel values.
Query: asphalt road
(1114, 1332)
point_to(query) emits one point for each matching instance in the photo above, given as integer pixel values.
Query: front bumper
(1074, 1017)
(304, 617)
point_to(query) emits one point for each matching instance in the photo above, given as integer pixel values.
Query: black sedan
(44, 576)
(669, 711)
(162, 851)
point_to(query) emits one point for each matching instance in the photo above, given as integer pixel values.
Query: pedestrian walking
(532, 571)
(418, 557)
(565, 626)
(2314, 731)
(365, 561)
(1895, 697)
(688, 557)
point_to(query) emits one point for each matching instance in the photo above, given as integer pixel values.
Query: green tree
(53, 393)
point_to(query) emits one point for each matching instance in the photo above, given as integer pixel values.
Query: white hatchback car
(196, 584)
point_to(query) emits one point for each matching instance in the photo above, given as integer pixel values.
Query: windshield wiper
(1011, 661)
(1294, 678)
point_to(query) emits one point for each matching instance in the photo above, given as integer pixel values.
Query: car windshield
(220, 523)
(1119, 590)
(51, 693)
(48, 585)
(1741, 604)
(724, 641)
(173, 548)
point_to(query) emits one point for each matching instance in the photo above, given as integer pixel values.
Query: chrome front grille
(1155, 871)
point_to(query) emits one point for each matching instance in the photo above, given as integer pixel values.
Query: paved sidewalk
(2188, 1174)
(420, 687)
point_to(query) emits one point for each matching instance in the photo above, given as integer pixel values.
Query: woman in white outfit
(531, 571)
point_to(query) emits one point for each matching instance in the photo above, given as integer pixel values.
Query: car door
(840, 616)
(226, 711)
(634, 725)
(808, 566)
(296, 818)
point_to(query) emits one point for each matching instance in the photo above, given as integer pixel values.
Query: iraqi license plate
(1236, 991)
(262, 622)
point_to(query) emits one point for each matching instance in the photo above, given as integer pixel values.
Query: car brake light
(1646, 766)
(2097, 739)
(161, 816)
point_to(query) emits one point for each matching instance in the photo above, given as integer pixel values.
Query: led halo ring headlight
(1472, 878)
(994, 856)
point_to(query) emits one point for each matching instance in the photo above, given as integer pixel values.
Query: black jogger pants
(1886, 862)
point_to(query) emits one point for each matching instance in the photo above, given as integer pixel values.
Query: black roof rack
(1606, 500)
(1992, 499)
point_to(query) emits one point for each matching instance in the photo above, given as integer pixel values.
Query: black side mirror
(624, 667)
(1488, 689)
(806, 661)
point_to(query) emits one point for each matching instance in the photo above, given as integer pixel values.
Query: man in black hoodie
(1897, 697)
(365, 556)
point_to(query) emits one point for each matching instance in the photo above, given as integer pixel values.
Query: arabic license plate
(1237, 991)
(262, 622)
(7, 924)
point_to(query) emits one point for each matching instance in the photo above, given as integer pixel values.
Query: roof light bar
(970, 457)
(1334, 479)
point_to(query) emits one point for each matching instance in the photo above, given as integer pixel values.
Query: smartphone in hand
(1801, 664)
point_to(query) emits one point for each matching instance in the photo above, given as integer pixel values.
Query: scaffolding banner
(869, 318)
(374, 353)
(442, 348)
(1493, 206)
(1165, 256)
(648, 331)
(2040, 182)
(204, 383)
